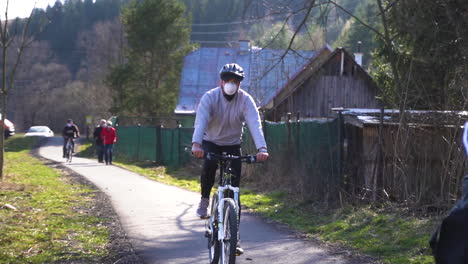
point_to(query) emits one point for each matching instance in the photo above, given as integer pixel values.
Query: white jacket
(221, 121)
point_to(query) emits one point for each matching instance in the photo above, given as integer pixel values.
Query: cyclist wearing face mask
(220, 117)
(69, 131)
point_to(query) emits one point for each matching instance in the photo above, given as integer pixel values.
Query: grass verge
(391, 234)
(44, 218)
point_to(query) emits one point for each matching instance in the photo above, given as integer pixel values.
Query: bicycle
(69, 150)
(222, 227)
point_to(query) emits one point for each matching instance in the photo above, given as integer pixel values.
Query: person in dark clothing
(449, 242)
(99, 143)
(70, 131)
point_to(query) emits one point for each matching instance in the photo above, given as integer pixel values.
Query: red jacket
(108, 135)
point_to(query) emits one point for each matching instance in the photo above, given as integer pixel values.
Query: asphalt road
(161, 224)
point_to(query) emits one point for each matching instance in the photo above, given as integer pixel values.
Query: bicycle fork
(221, 190)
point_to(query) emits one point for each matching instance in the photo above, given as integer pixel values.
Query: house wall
(339, 82)
(317, 96)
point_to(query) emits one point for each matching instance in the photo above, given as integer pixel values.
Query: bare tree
(8, 73)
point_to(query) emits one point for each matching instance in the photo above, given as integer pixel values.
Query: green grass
(390, 234)
(51, 223)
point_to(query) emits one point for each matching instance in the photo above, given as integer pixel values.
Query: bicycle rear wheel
(229, 241)
(212, 233)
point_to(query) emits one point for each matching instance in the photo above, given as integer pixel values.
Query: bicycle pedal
(207, 233)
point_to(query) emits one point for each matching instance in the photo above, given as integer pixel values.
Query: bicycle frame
(221, 189)
(224, 204)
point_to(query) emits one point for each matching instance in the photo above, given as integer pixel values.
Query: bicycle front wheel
(69, 155)
(229, 241)
(212, 234)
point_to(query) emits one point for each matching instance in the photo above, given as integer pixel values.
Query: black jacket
(97, 135)
(449, 242)
(71, 131)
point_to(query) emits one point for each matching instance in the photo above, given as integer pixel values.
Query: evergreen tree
(158, 39)
(355, 32)
(431, 49)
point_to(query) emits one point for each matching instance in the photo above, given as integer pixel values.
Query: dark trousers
(100, 152)
(65, 145)
(108, 149)
(449, 244)
(208, 174)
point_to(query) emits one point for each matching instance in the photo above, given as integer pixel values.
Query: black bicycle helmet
(231, 70)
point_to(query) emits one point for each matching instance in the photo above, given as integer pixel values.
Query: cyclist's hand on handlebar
(197, 150)
(262, 156)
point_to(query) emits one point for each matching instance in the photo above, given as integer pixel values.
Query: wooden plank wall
(427, 169)
(317, 96)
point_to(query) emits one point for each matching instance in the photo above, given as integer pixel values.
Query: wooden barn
(329, 80)
(422, 163)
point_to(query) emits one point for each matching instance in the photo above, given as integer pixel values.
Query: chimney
(358, 54)
(244, 46)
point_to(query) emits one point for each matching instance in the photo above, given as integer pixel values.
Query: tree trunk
(3, 95)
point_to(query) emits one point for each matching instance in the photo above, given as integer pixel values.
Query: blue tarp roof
(265, 73)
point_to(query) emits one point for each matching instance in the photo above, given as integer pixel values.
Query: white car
(39, 131)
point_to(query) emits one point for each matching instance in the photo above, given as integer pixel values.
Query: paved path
(161, 224)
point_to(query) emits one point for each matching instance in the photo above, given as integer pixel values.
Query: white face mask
(230, 88)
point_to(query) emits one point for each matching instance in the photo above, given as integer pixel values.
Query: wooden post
(264, 126)
(288, 123)
(298, 142)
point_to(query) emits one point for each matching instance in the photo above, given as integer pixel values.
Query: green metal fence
(305, 156)
(148, 143)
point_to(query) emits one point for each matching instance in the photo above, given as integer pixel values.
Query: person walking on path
(98, 140)
(109, 137)
(218, 128)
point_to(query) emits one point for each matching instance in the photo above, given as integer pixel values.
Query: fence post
(264, 127)
(178, 143)
(298, 142)
(341, 141)
(158, 144)
(288, 123)
(138, 142)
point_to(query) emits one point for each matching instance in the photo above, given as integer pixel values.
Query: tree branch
(357, 19)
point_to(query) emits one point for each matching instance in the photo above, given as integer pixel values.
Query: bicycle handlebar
(249, 159)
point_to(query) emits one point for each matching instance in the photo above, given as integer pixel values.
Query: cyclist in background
(218, 128)
(70, 131)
